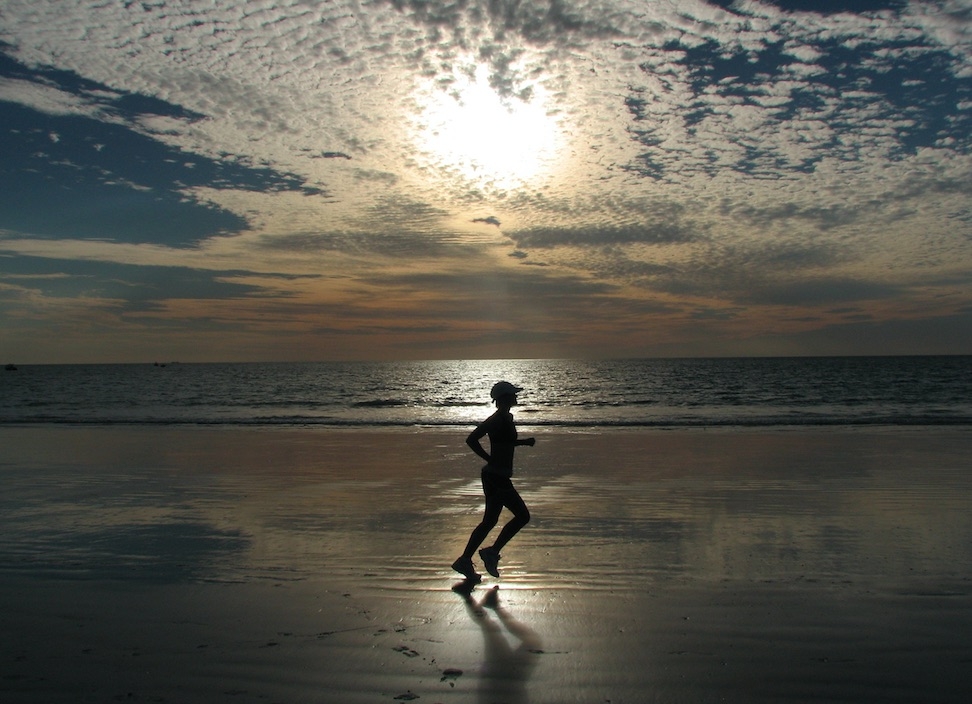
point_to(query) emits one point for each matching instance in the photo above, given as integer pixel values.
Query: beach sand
(258, 565)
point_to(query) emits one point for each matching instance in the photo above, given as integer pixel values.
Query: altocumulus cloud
(80, 162)
(714, 161)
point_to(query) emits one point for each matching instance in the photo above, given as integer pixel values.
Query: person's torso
(502, 440)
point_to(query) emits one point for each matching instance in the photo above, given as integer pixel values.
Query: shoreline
(552, 428)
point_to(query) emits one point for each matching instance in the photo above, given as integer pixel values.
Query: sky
(444, 179)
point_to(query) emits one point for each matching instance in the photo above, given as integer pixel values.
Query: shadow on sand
(506, 666)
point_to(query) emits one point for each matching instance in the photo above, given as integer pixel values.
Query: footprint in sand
(450, 675)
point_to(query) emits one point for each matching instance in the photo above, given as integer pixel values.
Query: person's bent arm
(476, 446)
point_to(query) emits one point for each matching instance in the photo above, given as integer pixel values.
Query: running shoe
(491, 558)
(464, 566)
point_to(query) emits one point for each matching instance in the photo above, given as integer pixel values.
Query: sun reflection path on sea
(485, 135)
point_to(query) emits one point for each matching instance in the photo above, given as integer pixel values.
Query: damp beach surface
(183, 564)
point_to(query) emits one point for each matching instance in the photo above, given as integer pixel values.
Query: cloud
(819, 291)
(497, 296)
(85, 168)
(718, 277)
(491, 220)
(760, 112)
(820, 216)
(716, 163)
(396, 226)
(544, 22)
(403, 244)
(137, 286)
(652, 234)
(825, 8)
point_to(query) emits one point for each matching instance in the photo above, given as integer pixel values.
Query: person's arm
(474, 442)
(529, 442)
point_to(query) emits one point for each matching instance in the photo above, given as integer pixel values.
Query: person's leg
(521, 516)
(491, 514)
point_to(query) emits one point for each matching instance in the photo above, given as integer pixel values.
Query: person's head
(504, 394)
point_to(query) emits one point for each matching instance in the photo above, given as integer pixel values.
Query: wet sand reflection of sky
(779, 511)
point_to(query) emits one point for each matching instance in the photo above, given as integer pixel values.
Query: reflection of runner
(497, 483)
(505, 669)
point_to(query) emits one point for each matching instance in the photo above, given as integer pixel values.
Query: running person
(497, 483)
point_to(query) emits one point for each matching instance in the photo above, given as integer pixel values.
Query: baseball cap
(503, 388)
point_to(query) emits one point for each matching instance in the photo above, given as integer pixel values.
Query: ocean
(762, 392)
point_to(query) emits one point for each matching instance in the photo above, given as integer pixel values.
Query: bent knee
(489, 523)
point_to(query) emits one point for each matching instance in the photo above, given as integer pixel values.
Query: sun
(473, 131)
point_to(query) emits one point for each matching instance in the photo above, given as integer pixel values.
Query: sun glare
(487, 138)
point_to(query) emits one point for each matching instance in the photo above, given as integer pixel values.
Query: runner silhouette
(497, 482)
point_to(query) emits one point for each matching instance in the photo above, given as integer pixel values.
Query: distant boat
(11, 367)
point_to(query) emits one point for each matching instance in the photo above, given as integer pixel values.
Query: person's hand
(531, 442)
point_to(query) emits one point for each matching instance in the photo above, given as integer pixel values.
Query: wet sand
(200, 565)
